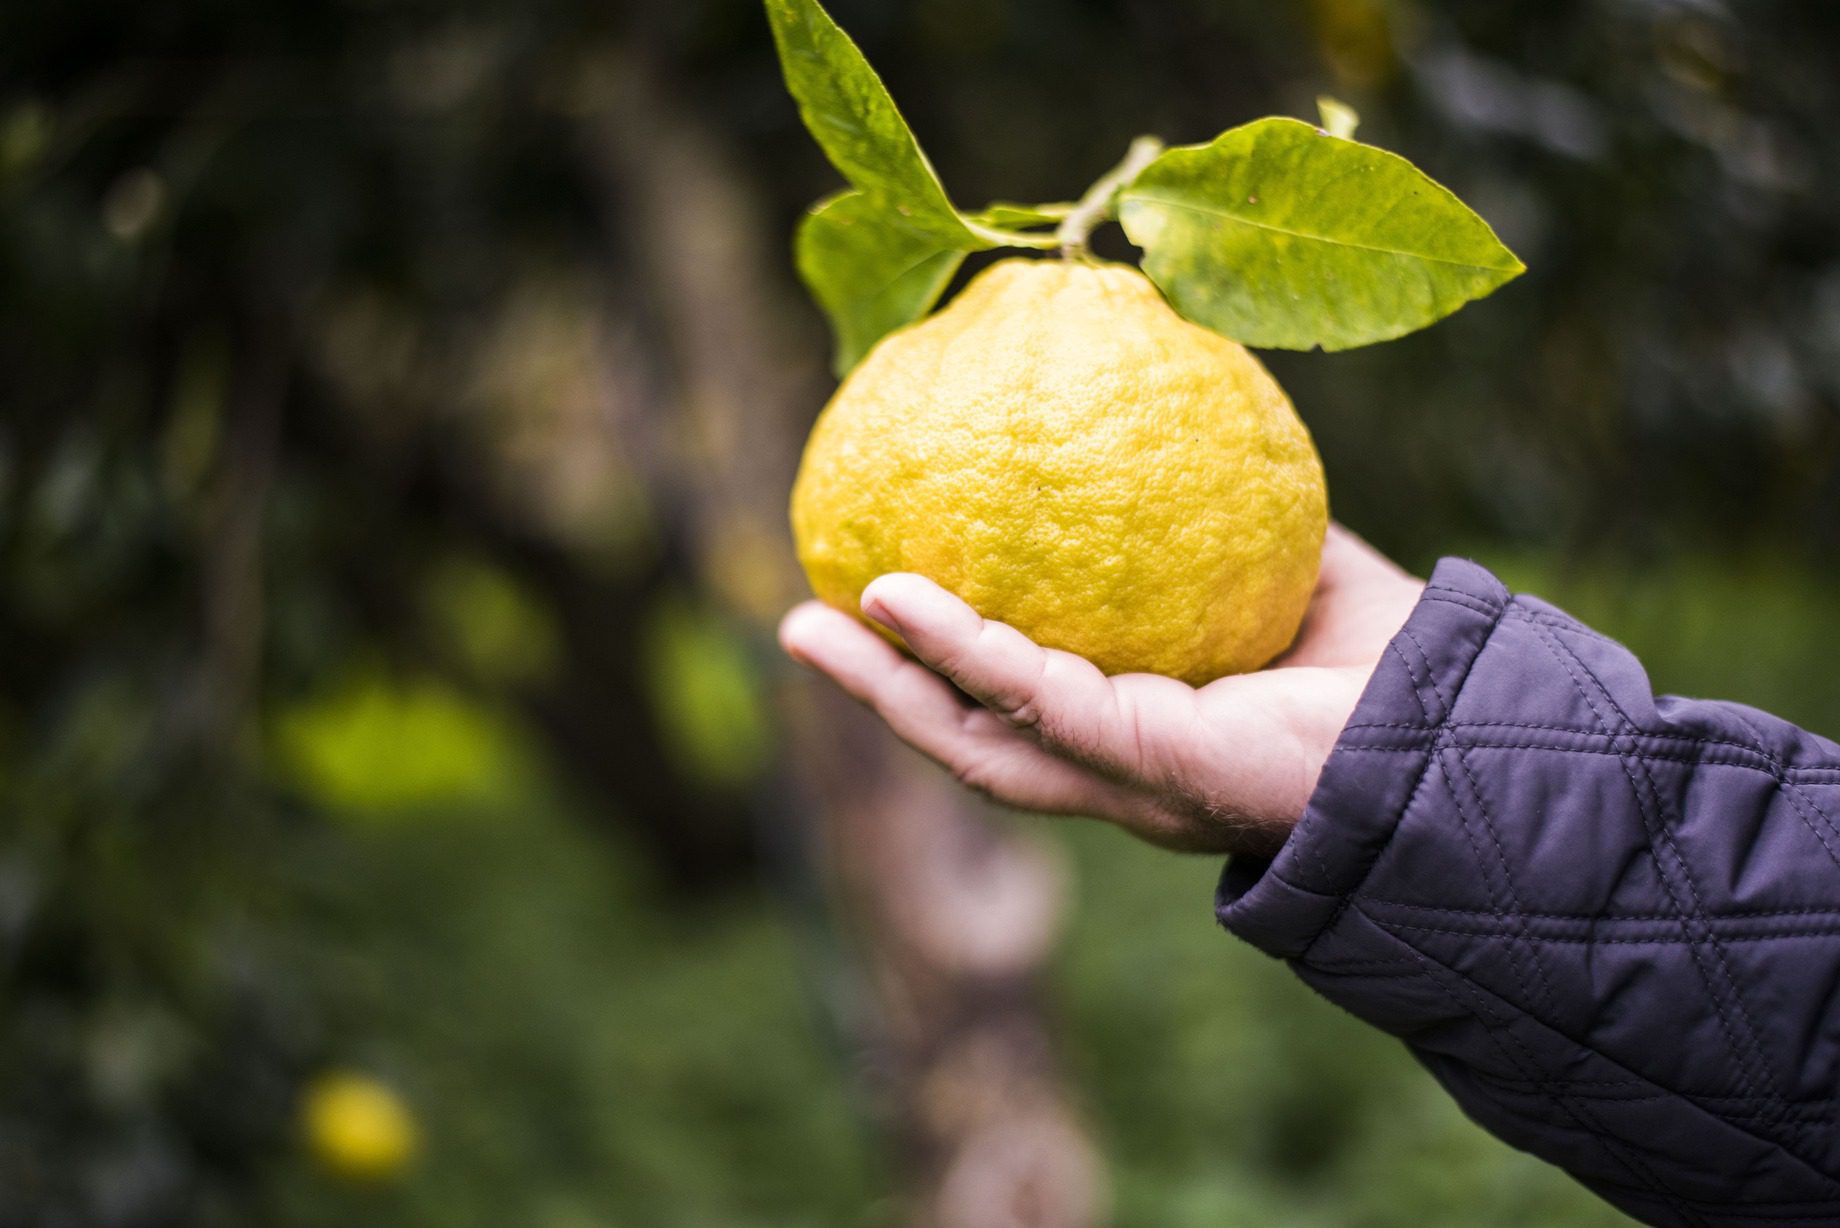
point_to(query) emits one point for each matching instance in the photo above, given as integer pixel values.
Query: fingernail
(878, 612)
(874, 607)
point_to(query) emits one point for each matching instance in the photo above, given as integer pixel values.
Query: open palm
(1226, 767)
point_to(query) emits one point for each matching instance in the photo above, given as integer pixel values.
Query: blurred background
(407, 820)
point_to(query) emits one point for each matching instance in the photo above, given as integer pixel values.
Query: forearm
(1609, 924)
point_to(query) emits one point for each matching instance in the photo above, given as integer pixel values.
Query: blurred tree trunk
(951, 915)
(232, 596)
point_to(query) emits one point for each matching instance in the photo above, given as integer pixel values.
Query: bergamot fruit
(358, 1129)
(1068, 455)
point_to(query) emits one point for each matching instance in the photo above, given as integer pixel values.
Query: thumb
(1063, 699)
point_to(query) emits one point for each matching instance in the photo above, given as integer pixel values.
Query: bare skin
(1223, 768)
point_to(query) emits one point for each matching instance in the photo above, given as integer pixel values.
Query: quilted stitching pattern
(1608, 923)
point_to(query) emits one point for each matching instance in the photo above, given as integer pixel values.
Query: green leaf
(848, 110)
(870, 270)
(1278, 234)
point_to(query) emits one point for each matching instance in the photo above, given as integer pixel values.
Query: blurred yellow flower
(358, 1128)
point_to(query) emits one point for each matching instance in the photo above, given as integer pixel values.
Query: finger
(1348, 558)
(1361, 599)
(925, 712)
(1063, 699)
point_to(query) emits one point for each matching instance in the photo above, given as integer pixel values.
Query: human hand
(1223, 768)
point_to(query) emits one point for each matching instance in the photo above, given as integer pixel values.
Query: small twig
(1096, 205)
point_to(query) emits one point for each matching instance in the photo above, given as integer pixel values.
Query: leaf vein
(1223, 214)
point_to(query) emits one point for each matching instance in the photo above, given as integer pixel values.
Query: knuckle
(974, 774)
(961, 654)
(1019, 711)
(1021, 705)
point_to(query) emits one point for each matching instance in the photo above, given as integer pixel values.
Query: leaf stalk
(1097, 205)
(1011, 238)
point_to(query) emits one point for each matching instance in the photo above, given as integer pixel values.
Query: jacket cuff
(1281, 905)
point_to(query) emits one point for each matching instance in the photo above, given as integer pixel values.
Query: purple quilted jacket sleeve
(1607, 922)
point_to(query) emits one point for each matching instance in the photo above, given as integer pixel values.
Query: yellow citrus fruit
(1069, 456)
(358, 1128)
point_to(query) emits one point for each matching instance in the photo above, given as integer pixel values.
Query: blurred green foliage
(492, 626)
(378, 745)
(705, 690)
(576, 1051)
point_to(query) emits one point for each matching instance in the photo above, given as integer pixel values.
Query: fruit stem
(1097, 205)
